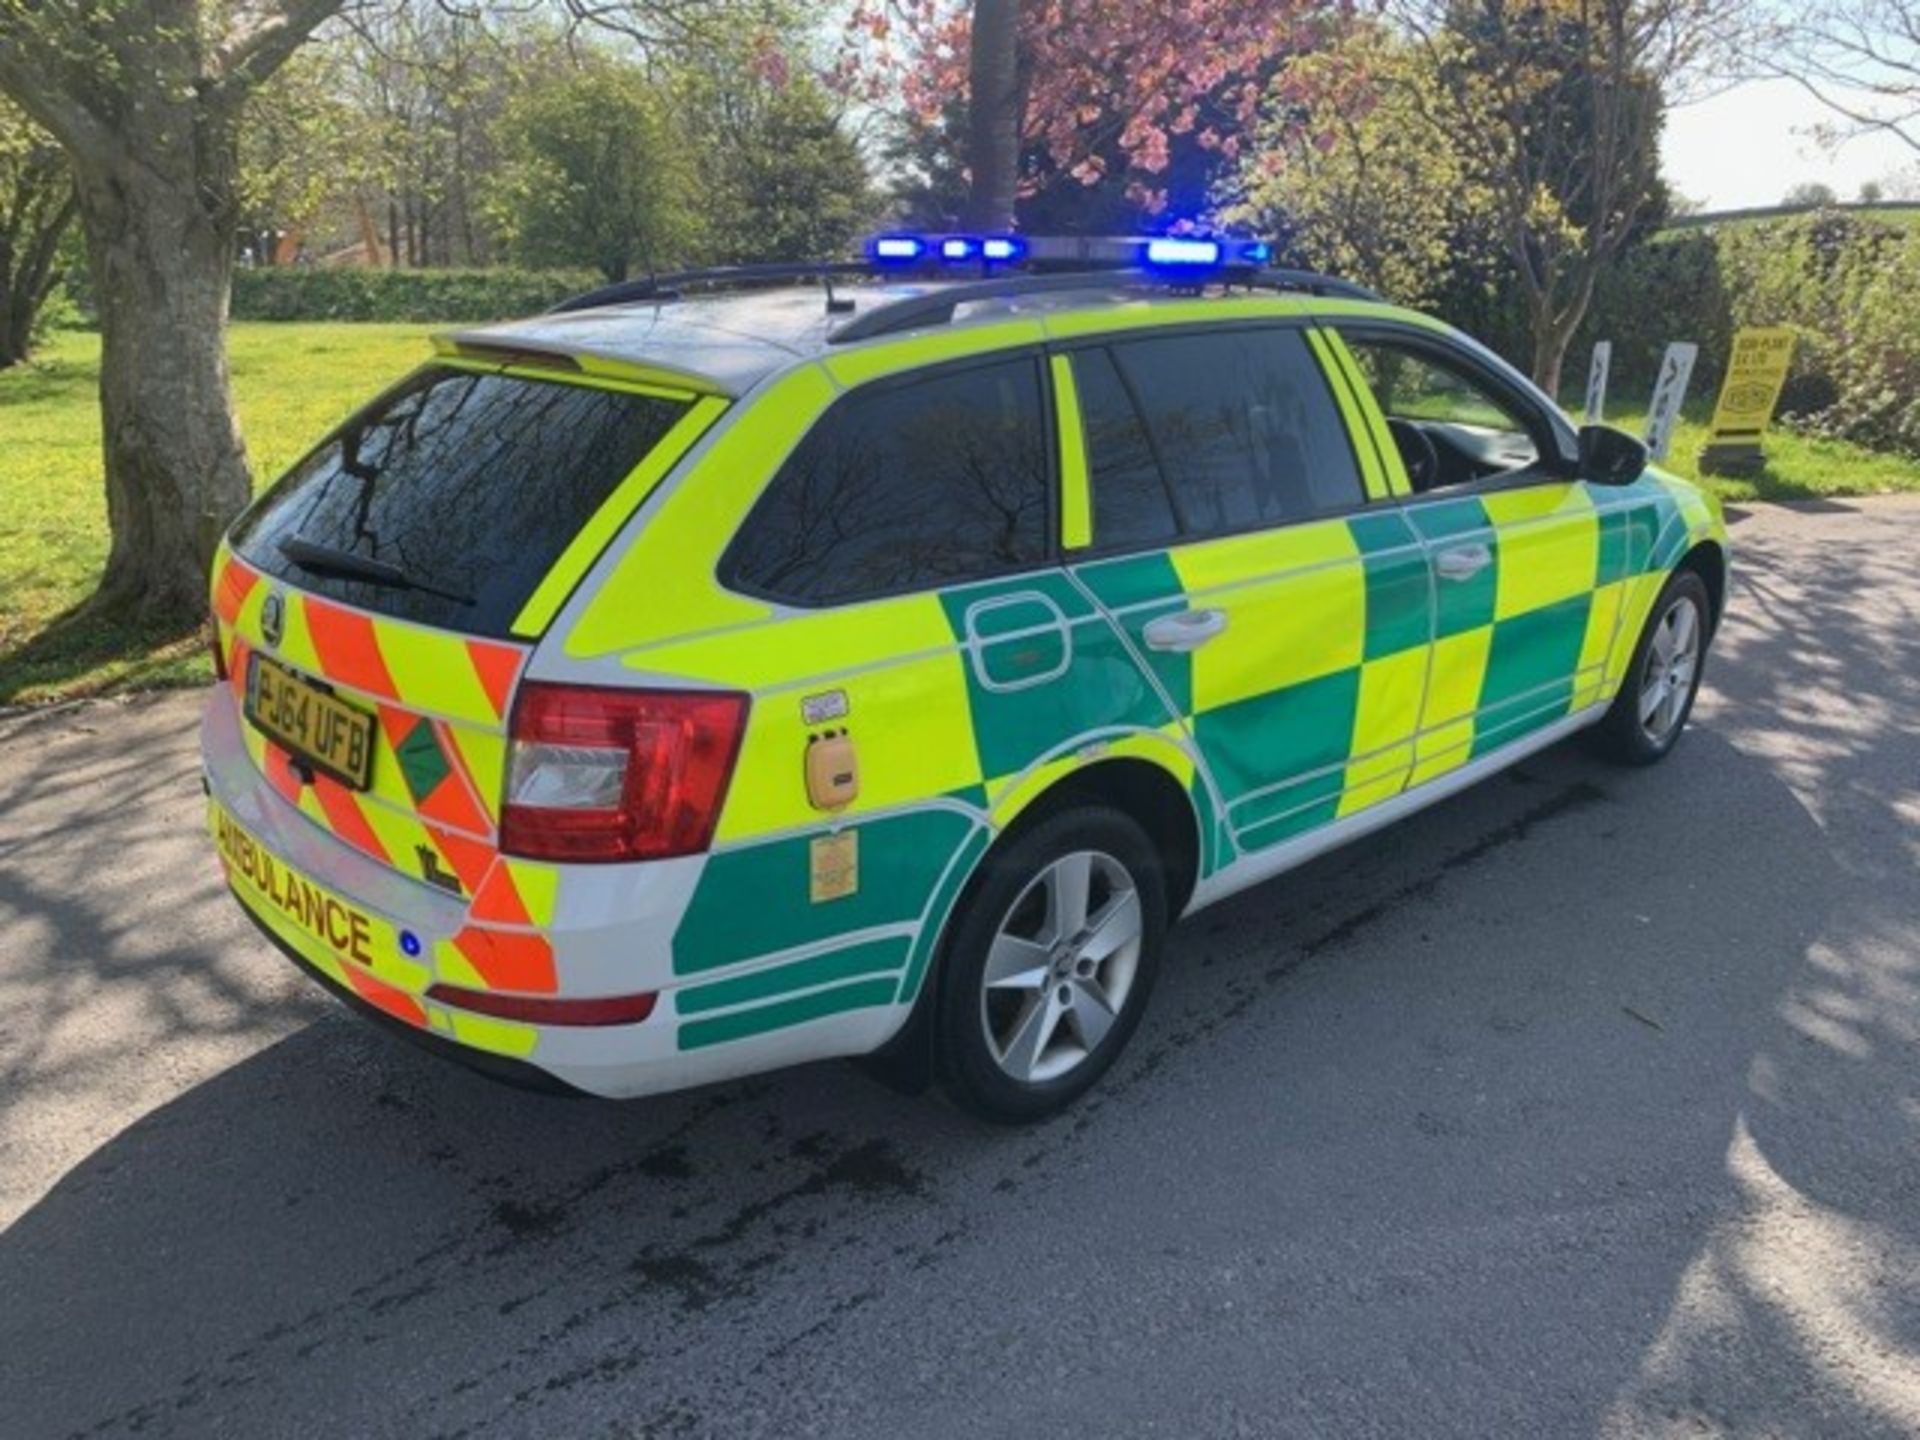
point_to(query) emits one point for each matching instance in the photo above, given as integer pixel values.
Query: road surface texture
(1585, 1104)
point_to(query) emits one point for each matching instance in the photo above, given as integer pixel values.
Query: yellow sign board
(1755, 373)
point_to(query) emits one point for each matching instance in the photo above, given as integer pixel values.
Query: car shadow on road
(1585, 1102)
(338, 1225)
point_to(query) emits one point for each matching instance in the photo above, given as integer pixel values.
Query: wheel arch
(1708, 560)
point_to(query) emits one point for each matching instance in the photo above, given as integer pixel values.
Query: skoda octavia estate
(729, 670)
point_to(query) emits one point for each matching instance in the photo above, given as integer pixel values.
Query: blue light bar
(958, 247)
(1002, 247)
(1183, 253)
(1256, 252)
(901, 248)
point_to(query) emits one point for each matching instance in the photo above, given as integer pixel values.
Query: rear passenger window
(902, 487)
(1131, 505)
(1243, 429)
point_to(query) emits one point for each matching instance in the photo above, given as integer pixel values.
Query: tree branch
(256, 47)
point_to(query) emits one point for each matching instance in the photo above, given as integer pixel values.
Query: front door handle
(1187, 631)
(1463, 562)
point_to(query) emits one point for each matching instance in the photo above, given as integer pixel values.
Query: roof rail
(669, 286)
(937, 307)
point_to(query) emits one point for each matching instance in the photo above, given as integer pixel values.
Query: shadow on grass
(88, 650)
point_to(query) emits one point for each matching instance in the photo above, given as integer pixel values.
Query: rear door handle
(1188, 630)
(1463, 562)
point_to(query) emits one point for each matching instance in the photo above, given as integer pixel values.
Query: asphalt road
(1586, 1104)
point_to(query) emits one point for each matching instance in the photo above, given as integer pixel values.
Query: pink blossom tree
(1083, 81)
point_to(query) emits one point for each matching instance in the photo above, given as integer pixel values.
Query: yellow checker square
(1603, 620)
(1390, 695)
(1443, 748)
(911, 727)
(1636, 601)
(1549, 546)
(1306, 584)
(1459, 670)
(1379, 777)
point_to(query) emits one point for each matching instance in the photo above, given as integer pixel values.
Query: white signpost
(1596, 406)
(1663, 413)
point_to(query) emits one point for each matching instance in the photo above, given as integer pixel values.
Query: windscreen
(447, 500)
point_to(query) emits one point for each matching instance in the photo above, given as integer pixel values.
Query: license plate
(309, 723)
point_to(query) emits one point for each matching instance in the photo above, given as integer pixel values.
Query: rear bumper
(517, 1073)
(612, 934)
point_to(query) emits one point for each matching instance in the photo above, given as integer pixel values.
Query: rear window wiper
(328, 560)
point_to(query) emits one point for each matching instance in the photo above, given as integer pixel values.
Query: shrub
(1848, 286)
(298, 292)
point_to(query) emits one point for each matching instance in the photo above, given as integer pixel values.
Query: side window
(1242, 427)
(1450, 427)
(1131, 502)
(905, 486)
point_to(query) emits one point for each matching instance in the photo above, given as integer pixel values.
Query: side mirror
(1609, 456)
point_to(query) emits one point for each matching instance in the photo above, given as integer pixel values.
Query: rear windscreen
(461, 490)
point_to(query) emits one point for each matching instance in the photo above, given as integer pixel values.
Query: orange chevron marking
(348, 648)
(510, 962)
(497, 666)
(345, 818)
(498, 898)
(469, 858)
(237, 667)
(280, 774)
(235, 584)
(395, 1002)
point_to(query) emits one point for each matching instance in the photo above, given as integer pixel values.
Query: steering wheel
(1416, 453)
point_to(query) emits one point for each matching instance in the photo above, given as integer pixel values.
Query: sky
(1749, 145)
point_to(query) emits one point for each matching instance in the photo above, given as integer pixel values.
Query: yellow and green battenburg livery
(1358, 674)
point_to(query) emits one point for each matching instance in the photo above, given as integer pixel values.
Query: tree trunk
(993, 114)
(162, 258)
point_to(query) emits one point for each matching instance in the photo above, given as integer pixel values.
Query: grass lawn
(294, 382)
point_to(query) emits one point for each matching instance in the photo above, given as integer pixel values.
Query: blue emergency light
(1180, 253)
(900, 249)
(1002, 247)
(959, 247)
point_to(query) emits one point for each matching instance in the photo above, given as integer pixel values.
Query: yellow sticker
(835, 869)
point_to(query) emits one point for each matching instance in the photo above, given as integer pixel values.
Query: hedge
(1849, 286)
(299, 292)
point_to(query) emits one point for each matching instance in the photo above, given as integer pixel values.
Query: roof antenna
(835, 305)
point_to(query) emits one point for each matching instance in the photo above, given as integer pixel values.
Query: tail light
(599, 775)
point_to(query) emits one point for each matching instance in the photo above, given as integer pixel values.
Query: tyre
(1646, 717)
(1049, 964)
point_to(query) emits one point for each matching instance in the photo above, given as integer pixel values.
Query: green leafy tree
(1810, 195)
(781, 177)
(1353, 170)
(597, 171)
(1556, 107)
(36, 210)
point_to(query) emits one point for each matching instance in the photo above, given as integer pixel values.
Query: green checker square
(1529, 654)
(1140, 589)
(1461, 605)
(1669, 528)
(1523, 715)
(1444, 519)
(1396, 571)
(1280, 735)
(1101, 685)
(756, 899)
(1292, 810)
(422, 765)
(1618, 532)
